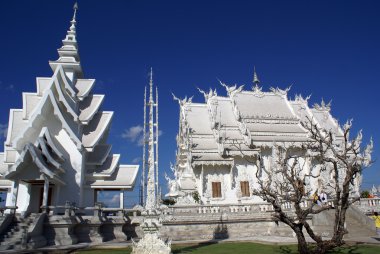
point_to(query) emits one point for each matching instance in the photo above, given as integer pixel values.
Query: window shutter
(244, 186)
(216, 190)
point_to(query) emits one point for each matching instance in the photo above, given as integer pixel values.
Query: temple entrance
(36, 195)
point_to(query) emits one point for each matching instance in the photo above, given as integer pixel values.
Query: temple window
(216, 189)
(244, 186)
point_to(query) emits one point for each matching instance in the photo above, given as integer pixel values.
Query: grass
(240, 248)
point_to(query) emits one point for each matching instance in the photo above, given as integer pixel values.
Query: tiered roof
(68, 97)
(212, 133)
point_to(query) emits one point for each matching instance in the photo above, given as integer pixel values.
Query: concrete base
(85, 229)
(192, 226)
(37, 242)
(209, 230)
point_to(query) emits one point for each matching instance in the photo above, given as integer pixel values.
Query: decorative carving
(232, 90)
(244, 131)
(300, 98)
(150, 243)
(173, 186)
(257, 91)
(187, 199)
(280, 92)
(221, 162)
(323, 106)
(215, 126)
(208, 95)
(183, 101)
(271, 119)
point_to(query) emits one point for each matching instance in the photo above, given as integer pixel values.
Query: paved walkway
(273, 240)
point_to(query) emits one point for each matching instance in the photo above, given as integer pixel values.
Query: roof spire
(68, 53)
(151, 76)
(151, 86)
(70, 38)
(73, 21)
(256, 80)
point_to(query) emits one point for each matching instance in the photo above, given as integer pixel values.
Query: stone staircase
(357, 224)
(16, 237)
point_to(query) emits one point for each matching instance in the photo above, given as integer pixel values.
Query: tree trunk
(302, 244)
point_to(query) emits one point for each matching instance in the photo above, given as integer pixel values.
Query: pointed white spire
(70, 39)
(68, 53)
(73, 21)
(256, 80)
(156, 142)
(151, 86)
(143, 180)
(151, 188)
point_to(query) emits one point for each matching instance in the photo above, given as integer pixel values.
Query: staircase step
(14, 238)
(6, 247)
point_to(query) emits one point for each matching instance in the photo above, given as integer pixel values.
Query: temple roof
(123, 178)
(198, 119)
(93, 132)
(89, 106)
(254, 105)
(84, 87)
(108, 167)
(3, 166)
(99, 155)
(236, 125)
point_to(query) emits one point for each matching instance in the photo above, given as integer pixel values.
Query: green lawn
(241, 248)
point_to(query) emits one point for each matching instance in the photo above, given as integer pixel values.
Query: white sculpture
(151, 244)
(173, 187)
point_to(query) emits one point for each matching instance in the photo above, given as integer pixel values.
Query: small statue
(172, 185)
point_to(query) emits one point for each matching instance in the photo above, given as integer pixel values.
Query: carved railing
(218, 209)
(365, 205)
(368, 205)
(239, 208)
(8, 209)
(70, 209)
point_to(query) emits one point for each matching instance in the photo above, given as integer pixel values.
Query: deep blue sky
(329, 49)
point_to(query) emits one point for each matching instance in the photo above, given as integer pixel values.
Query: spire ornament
(257, 90)
(152, 222)
(150, 154)
(68, 54)
(73, 21)
(256, 80)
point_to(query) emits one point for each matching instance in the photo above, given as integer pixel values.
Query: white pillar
(15, 192)
(231, 177)
(122, 199)
(46, 193)
(201, 182)
(57, 190)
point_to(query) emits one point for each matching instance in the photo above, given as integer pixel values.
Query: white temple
(219, 141)
(56, 148)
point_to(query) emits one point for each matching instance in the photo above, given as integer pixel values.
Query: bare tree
(333, 162)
